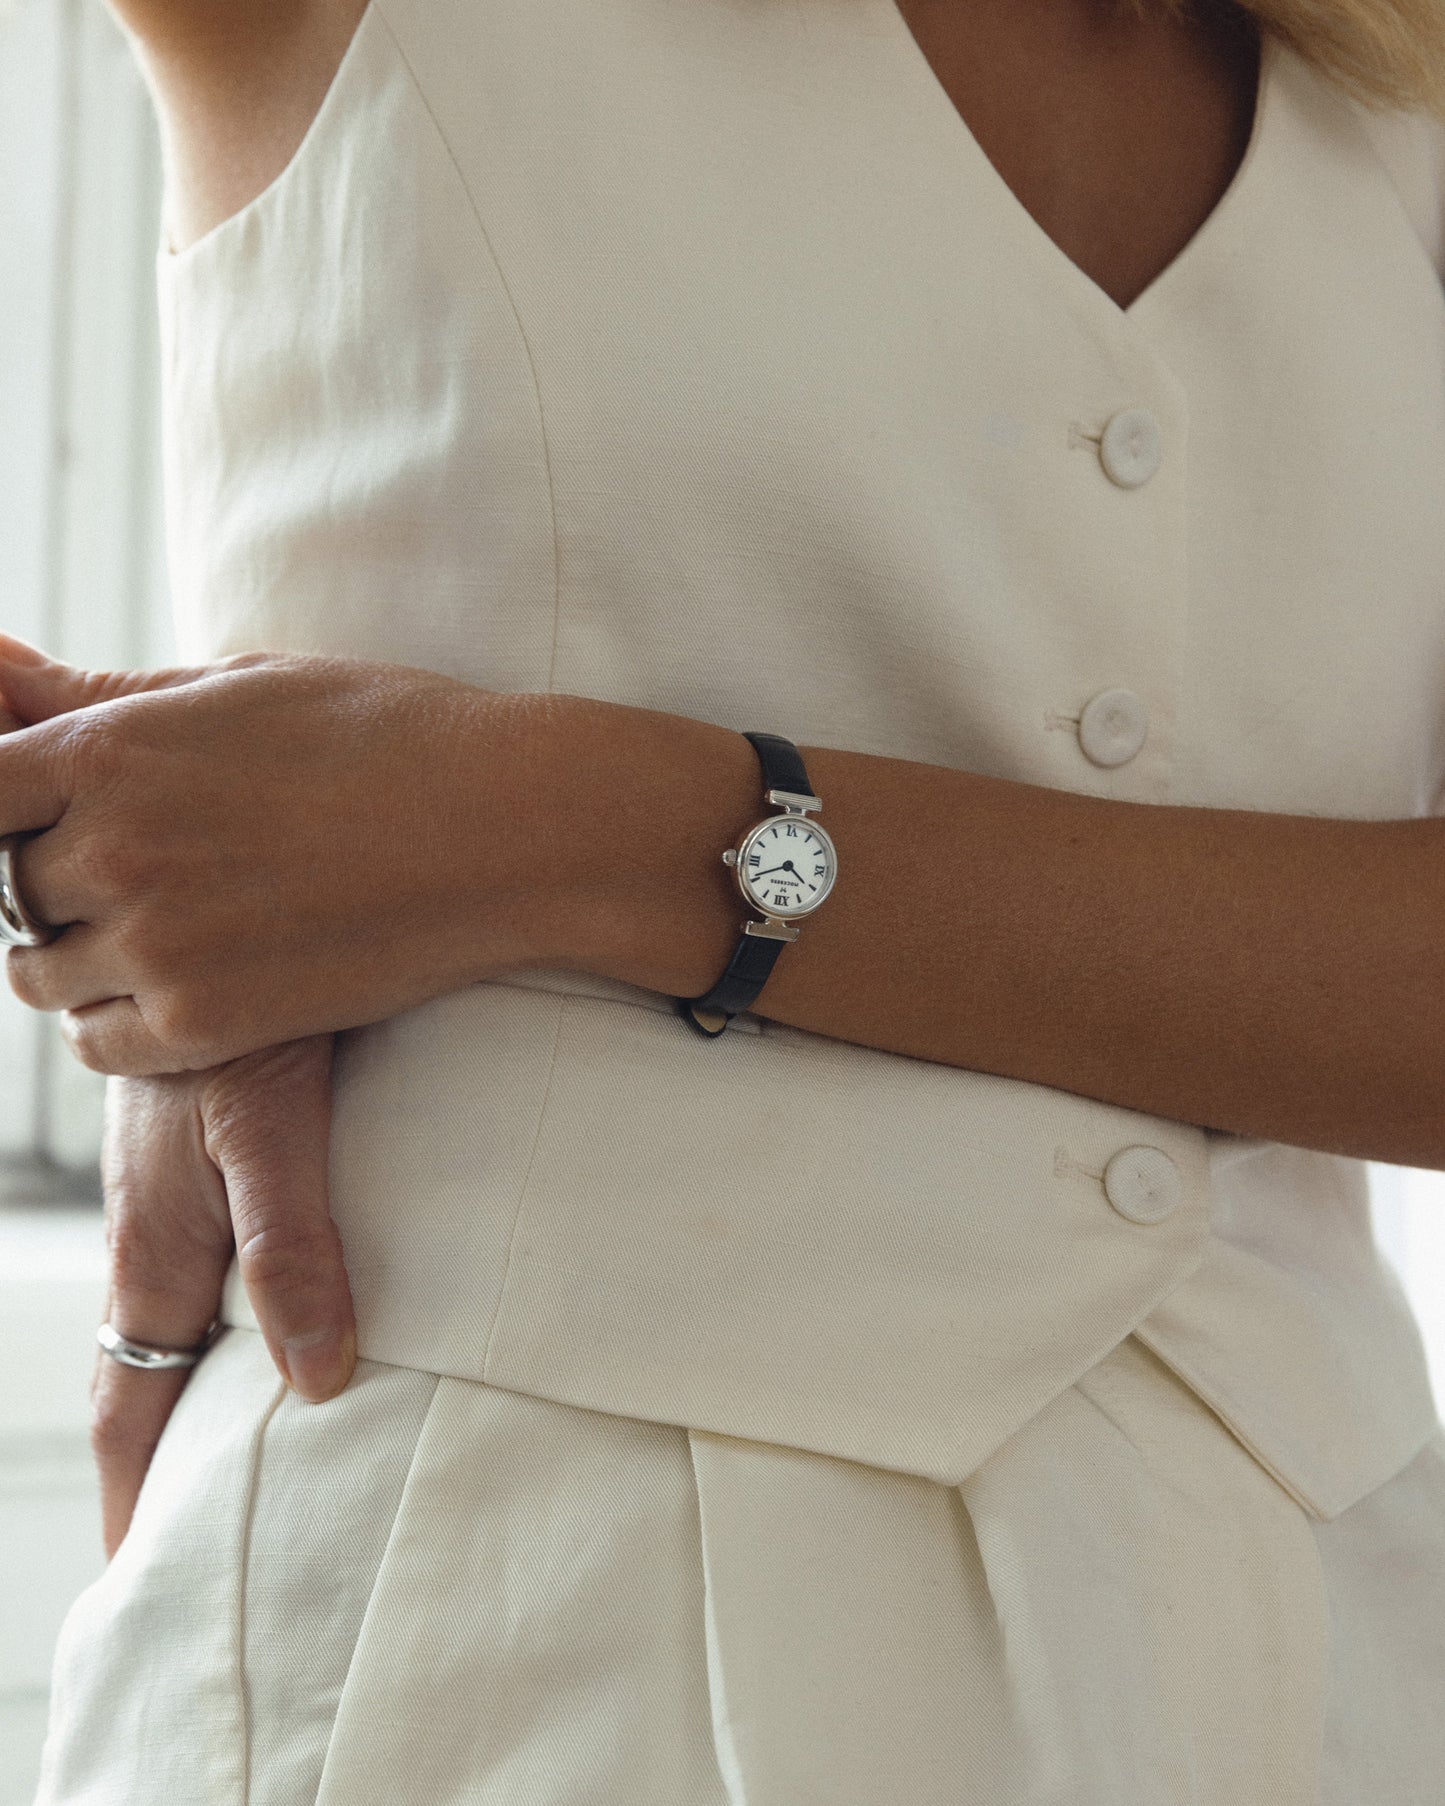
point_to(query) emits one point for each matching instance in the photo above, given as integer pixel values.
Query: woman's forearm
(1271, 975)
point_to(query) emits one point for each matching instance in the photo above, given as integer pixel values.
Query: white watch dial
(786, 865)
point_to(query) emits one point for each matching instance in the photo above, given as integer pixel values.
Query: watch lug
(771, 929)
(793, 801)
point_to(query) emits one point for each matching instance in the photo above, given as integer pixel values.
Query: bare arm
(1280, 976)
(1272, 975)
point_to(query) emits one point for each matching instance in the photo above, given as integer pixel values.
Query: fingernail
(319, 1363)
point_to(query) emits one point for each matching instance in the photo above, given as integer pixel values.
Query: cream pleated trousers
(434, 1591)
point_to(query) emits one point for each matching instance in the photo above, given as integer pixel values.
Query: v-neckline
(1041, 245)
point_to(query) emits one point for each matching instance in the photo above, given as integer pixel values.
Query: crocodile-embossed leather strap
(782, 763)
(747, 971)
(746, 974)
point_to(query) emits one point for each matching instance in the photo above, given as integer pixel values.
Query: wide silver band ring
(151, 1360)
(18, 928)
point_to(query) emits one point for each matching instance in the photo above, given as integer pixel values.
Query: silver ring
(18, 928)
(151, 1360)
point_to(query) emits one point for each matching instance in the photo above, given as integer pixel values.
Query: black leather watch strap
(752, 961)
(746, 974)
(782, 763)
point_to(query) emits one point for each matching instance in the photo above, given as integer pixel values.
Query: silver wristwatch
(785, 866)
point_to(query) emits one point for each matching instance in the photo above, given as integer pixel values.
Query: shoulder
(201, 32)
(210, 35)
(236, 86)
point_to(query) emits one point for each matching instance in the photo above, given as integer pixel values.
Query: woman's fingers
(197, 1166)
(53, 700)
(129, 1409)
(115, 1037)
(169, 1238)
(34, 780)
(36, 687)
(267, 1123)
(55, 872)
(67, 973)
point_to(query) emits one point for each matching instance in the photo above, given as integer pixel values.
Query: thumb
(267, 1125)
(34, 687)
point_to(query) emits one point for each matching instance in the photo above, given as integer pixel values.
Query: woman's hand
(195, 1165)
(269, 847)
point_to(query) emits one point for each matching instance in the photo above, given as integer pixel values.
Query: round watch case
(769, 836)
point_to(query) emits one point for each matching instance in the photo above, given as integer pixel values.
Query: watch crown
(730, 857)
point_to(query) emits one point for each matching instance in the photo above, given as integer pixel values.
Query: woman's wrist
(511, 848)
(626, 812)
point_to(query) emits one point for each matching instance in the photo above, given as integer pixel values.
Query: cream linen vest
(691, 354)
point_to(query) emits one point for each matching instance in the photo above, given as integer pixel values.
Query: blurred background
(82, 574)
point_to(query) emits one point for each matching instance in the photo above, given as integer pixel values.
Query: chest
(1119, 135)
(702, 360)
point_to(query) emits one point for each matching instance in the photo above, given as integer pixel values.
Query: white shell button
(1143, 1184)
(1131, 448)
(1112, 727)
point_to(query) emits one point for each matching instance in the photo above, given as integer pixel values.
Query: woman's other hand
(197, 1165)
(272, 846)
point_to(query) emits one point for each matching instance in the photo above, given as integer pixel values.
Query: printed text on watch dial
(787, 867)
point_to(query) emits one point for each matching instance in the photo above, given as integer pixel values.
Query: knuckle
(165, 1242)
(162, 1253)
(285, 1259)
(94, 741)
(140, 1265)
(114, 1433)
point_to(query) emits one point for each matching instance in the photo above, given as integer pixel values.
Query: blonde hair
(1387, 53)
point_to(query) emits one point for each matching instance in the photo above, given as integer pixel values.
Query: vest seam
(508, 1262)
(243, 1567)
(481, 225)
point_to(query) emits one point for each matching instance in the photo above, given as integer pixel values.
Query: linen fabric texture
(1026, 1448)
